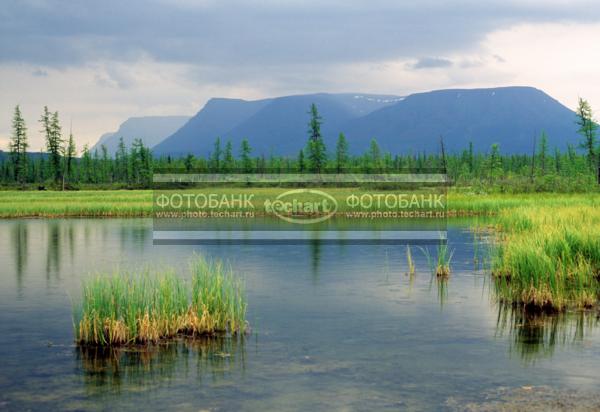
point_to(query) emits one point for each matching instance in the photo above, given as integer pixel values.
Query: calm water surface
(335, 327)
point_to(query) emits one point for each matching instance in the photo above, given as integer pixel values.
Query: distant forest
(60, 167)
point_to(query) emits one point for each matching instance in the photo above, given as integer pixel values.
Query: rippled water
(334, 327)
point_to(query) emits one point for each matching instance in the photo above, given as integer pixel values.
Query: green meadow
(85, 203)
(138, 203)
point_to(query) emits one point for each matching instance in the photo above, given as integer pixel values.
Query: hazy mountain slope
(151, 129)
(103, 139)
(214, 119)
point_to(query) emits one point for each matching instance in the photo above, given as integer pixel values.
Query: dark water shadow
(534, 335)
(20, 243)
(142, 367)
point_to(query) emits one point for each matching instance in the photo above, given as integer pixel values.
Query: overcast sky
(100, 62)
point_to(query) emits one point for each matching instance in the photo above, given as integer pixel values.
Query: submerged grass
(548, 257)
(143, 307)
(409, 261)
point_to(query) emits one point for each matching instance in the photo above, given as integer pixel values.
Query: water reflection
(53, 255)
(341, 326)
(20, 247)
(71, 239)
(59, 242)
(315, 255)
(535, 335)
(142, 367)
(442, 290)
(134, 235)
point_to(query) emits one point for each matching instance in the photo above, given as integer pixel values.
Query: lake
(334, 327)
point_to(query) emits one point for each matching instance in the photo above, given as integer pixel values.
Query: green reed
(548, 257)
(142, 307)
(440, 266)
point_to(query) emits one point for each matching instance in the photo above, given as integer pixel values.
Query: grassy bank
(548, 256)
(94, 203)
(493, 204)
(138, 203)
(129, 308)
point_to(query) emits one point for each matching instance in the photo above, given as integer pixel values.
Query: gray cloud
(39, 73)
(499, 59)
(430, 63)
(150, 57)
(221, 34)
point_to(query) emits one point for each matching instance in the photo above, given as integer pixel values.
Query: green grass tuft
(548, 257)
(142, 307)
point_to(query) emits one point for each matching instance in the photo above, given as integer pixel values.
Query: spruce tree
(54, 142)
(587, 130)
(374, 156)
(341, 153)
(245, 151)
(228, 160)
(70, 152)
(495, 162)
(105, 165)
(317, 153)
(215, 159)
(18, 147)
(188, 162)
(543, 152)
(121, 162)
(301, 162)
(86, 165)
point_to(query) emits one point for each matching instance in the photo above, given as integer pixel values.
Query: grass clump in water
(138, 308)
(549, 258)
(440, 266)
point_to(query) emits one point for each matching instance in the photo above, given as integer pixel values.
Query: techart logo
(304, 206)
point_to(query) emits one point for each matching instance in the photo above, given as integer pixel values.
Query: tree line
(60, 167)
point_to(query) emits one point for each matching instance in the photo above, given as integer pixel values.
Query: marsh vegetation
(143, 307)
(548, 256)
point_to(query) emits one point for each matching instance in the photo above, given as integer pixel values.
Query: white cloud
(562, 59)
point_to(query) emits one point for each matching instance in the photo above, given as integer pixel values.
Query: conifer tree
(70, 153)
(587, 130)
(317, 153)
(54, 142)
(228, 160)
(245, 152)
(18, 147)
(215, 159)
(341, 153)
(301, 162)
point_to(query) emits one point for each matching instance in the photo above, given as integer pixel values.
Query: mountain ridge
(284, 118)
(510, 116)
